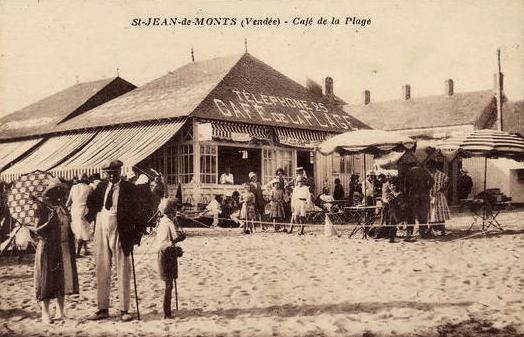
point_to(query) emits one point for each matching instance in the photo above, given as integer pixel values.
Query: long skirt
(55, 270)
(439, 210)
(80, 226)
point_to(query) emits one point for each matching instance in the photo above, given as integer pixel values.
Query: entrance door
(305, 160)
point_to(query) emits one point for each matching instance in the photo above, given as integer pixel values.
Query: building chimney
(313, 87)
(328, 84)
(495, 87)
(406, 92)
(366, 97)
(448, 86)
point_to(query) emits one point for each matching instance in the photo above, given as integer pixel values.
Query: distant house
(28, 127)
(432, 119)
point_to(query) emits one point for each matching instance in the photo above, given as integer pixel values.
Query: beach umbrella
(367, 141)
(23, 198)
(374, 142)
(25, 194)
(488, 144)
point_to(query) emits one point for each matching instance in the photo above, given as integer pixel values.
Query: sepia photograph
(249, 168)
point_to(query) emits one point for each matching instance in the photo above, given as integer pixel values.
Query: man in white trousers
(114, 204)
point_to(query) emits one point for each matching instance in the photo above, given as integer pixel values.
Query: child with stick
(168, 234)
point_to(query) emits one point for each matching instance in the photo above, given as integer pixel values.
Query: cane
(134, 280)
(176, 297)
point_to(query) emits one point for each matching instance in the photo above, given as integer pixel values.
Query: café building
(228, 114)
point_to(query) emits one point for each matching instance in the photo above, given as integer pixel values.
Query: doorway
(305, 160)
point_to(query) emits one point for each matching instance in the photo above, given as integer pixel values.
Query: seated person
(227, 177)
(325, 200)
(213, 209)
(358, 199)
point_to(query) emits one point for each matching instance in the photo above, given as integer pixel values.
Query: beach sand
(277, 284)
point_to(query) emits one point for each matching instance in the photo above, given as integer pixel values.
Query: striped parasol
(487, 143)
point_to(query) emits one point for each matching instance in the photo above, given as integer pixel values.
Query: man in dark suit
(119, 224)
(418, 185)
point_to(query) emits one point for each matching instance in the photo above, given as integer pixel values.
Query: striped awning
(487, 143)
(50, 153)
(240, 132)
(300, 138)
(130, 144)
(11, 151)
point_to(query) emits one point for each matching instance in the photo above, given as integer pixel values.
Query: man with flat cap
(119, 220)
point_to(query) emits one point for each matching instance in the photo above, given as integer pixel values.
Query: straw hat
(251, 174)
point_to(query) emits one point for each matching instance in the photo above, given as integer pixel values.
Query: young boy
(168, 234)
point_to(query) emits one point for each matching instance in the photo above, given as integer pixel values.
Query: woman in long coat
(439, 210)
(55, 273)
(78, 202)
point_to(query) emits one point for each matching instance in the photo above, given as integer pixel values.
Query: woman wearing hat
(55, 272)
(439, 210)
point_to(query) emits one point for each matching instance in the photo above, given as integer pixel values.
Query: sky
(46, 45)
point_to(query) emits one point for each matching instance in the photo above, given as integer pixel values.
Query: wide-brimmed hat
(113, 165)
(251, 174)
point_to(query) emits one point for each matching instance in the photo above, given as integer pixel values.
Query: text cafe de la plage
(228, 114)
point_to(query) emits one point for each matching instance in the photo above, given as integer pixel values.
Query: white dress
(78, 199)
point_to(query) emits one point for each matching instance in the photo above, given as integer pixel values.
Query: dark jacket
(338, 192)
(418, 182)
(130, 215)
(465, 184)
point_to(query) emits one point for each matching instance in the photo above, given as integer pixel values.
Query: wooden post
(499, 93)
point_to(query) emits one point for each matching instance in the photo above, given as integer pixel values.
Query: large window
(208, 164)
(274, 159)
(174, 161)
(239, 161)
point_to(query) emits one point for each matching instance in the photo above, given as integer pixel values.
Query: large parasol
(488, 144)
(22, 200)
(23, 195)
(375, 142)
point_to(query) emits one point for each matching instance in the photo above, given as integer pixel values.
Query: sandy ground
(276, 284)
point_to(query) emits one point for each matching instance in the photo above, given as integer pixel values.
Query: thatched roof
(426, 112)
(237, 88)
(43, 116)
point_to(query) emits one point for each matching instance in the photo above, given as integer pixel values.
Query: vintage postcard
(261, 168)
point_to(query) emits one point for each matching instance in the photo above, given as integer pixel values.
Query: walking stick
(134, 280)
(176, 296)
